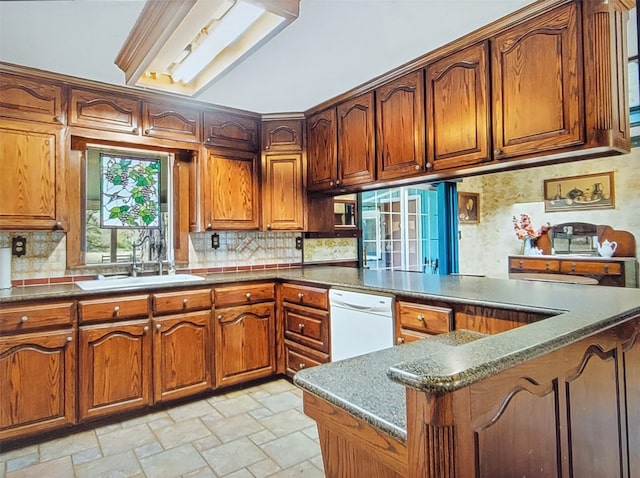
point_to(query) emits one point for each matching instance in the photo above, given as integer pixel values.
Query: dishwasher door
(360, 323)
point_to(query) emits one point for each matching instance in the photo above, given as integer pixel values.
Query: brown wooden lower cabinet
(245, 343)
(31, 403)
(298, 357)
(572, 412)
(114, 367)
(181, 355)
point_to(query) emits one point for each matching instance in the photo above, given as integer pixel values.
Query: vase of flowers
(528, 234)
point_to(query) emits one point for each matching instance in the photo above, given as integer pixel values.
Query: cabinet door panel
(181, 362)
(322, 146)
(37, 382)
(230, 131)
(104, 111)
(232, 191)
(245, 343)
(537, 94)
(115, 367)
(160, 120)
(31, 194)
(356, 145)
(283, 192)
(400, 127)
(282, 135)
(28, 99)
(458, 109)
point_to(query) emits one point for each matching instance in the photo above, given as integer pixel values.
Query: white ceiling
(332, 47)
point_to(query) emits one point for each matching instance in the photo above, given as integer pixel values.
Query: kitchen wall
(45, 258)
(484, 247)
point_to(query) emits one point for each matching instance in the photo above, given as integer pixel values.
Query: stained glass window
(129, 192)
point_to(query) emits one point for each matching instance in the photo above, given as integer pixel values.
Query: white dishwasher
(360, 323)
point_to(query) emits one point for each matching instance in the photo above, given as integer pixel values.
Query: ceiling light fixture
(182, 46)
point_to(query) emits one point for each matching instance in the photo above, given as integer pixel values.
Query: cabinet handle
(116, 309)
(606, 268)
(300, 295)
(520, 264)
(24, 318)
(248, 295)
(302, 365)
(547, 265)
(573, 267)
(268, 227)
(400, 340)
(337, 182)
(58, 225)
(147, 131)
(267, 148)
(219, 316)
(158, 326)
(69, 339)
(209, 227)
(417, 167)
(185, 301)
(331, 183)
(208, 139)
(421, 318)
(301, 326)
(429, 166)
(134, 130)
(145, 328)
(497, 151)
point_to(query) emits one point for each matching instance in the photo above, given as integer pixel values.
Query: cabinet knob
(24, 318)
(116, 309)
(301, 326)
(185, 301)
(208, 226)
(158, 326)
(69, 339)
(268, 227)
(134, 130)
(400, 340)
(248, 295)
(302, 365)
(58, 225)
(606, 268)
(520, 264)
(417, 167)
(57, 119)
(547, 265)
(497, 151)
(267, 148)
(145, 328)
(338, 182)
(573, 267)
(147, 131)
(421, 318)
(300, 295)
(208, 139)
(331, 183)
(429, 166)
(219, 316)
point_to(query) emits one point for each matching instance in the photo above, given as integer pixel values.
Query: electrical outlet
(18, 246)
(299, 243)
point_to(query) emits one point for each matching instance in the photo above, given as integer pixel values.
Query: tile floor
(258, 431)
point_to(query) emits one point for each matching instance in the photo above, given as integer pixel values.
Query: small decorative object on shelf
(525, 232)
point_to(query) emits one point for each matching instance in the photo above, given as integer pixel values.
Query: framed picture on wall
(589, 191)
(468, 208)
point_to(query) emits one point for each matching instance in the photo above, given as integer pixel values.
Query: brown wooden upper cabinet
(282, 192)
(322, 150)
(227, 130)
(30, 99)
(400, 127)
(282, 135)
(104, 111)
(230, 190)
(458, 121)
(536, 84)
(356, 141)
(171, 121)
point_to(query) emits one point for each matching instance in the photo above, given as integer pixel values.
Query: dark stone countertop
(577, 311)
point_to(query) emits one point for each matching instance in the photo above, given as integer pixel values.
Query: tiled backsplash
(331, 250)
(45, 257)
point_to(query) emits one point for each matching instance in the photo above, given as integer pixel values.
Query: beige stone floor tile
(258, 393)
(122, 464)
(261, 413)
(16, 452)
(204, 472)
(148, 449)
(281, 402)
(233, 456)
(291, 449)
(264, 468)
(173, 463)
(190, 410)
(317, 462)
(126, 439)
(68, 445)
(60, 468)
(243, 473)
(112, 427)
(237, 405)
(181, 432)
(160, 422)
(148, 418)
(286, 422)
(278, 386)
(262, 437)
(86, 456)
(235, 427)
(206, 443)
(24, 461)
(312, 432)
(305, 469)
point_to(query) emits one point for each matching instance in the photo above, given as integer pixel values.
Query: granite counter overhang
(577, 311)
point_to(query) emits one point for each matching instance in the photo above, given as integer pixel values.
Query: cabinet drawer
(182, 301)
(307, 326)
(299, 357)
(114, 308)
(425, 318)
(243, 294)
(305, 295)
(518, 264)
(29, 317)
(592, 267)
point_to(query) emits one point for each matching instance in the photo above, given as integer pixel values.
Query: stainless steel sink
(133, 282)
